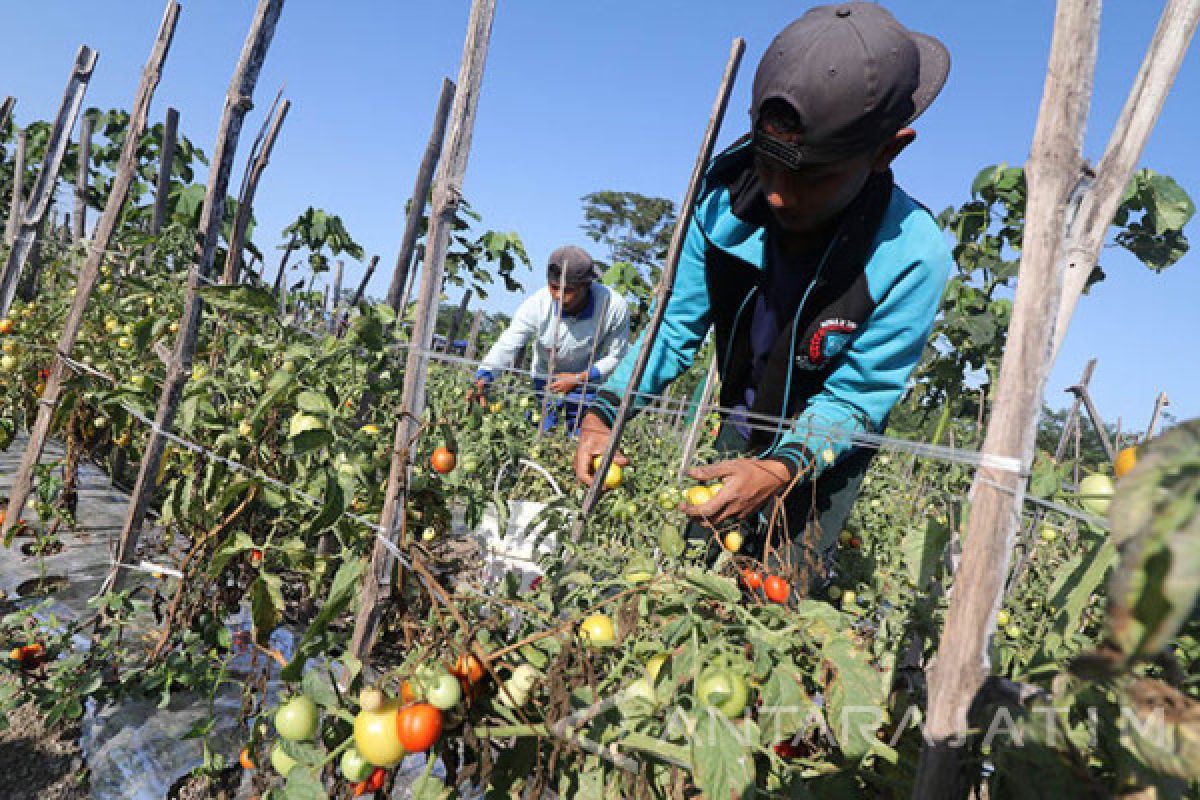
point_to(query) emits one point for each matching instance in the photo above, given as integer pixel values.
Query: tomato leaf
(785, 707)
(714, 586)
(853, 685)
(240, 299)
(341, 592)
(319, 688)
(723, 766)
(266, 606)
(303, 785)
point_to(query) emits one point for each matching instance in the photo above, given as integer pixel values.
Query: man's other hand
(594, 436)
(478, 393)
(564, 382)
(747, 485)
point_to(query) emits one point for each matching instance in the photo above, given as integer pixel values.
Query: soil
(40, 762)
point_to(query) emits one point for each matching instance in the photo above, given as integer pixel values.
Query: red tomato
(752, 578)
(375, 782)
(419, 727)
(776, 589)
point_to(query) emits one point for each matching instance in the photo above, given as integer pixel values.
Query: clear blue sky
(614, 95)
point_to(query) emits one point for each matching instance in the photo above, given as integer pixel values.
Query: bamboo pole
(82, 173)
(667, 281)
(43, 190)
(126, 173)
(16, 206)
(166, 161)
(1176, 27)
(446, 196)
(1055, 166)
(233, 258)
(420, 193)
(237, 102)
(343, 318)
(697, 426)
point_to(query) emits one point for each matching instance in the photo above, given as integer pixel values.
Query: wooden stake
(1159, 404)
(1053, 172)
(337, 293)
(456, 321)
(233, 259)
(43, 190)
(6, 107)
(237, 102)
(473, 335)
(666, 283)
(1176, 27)
(446, 196)
(416, 203)
(344, 317)
(126, 173)
(166, 162)
(16, 206)
(79, 230)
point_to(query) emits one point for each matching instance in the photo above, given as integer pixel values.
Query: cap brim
(935, 68)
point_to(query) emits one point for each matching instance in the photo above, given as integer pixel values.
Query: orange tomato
(244, 759)
(1125, 462)
(443, 460)
(419, 727)
(7, 326)
(752, 578)
(407, 693)
(776, 589)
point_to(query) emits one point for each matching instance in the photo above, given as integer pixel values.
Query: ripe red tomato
(375, 782)
(776, 589)
(419, 727)
(443, 460)
(752, 578)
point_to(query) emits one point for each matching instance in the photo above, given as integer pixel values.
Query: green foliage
(636, 230)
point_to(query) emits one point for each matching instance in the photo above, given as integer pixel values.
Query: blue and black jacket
(845, 358)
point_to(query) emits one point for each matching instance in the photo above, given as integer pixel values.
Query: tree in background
(636, 230)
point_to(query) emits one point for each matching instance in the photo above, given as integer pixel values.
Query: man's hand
(478, 393)
(748, 484)
(565, 382)
(593, 441)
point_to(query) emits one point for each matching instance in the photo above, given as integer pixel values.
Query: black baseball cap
(852, 74)
(570, 265)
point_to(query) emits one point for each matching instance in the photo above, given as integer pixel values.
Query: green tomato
(642, 688)
(1095, 493)
(443, 691)
(281, 761)
(296, 720)
(725, 690)
(670, 541)
(355, 768)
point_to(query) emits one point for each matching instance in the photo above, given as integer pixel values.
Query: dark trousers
(798, 537)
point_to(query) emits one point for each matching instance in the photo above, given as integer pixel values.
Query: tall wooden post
(416, 203)
(237, 102)
(126, 172)
(1176, 27)
(1055, 242)
(166, 161)
(666, 282)
(446, 195)
(79, 220)
(237, 239)
(16, 205)
(43, 190)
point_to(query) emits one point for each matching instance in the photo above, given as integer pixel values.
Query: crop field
(357, 580)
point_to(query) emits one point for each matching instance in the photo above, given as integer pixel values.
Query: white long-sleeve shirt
(606, 315)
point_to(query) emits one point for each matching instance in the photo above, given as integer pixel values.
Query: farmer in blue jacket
(819, 277)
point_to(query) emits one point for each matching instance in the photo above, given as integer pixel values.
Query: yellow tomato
(375, 735)
(614, 477)
(698, 495)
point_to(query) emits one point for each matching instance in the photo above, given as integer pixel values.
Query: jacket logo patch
(830, 339)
